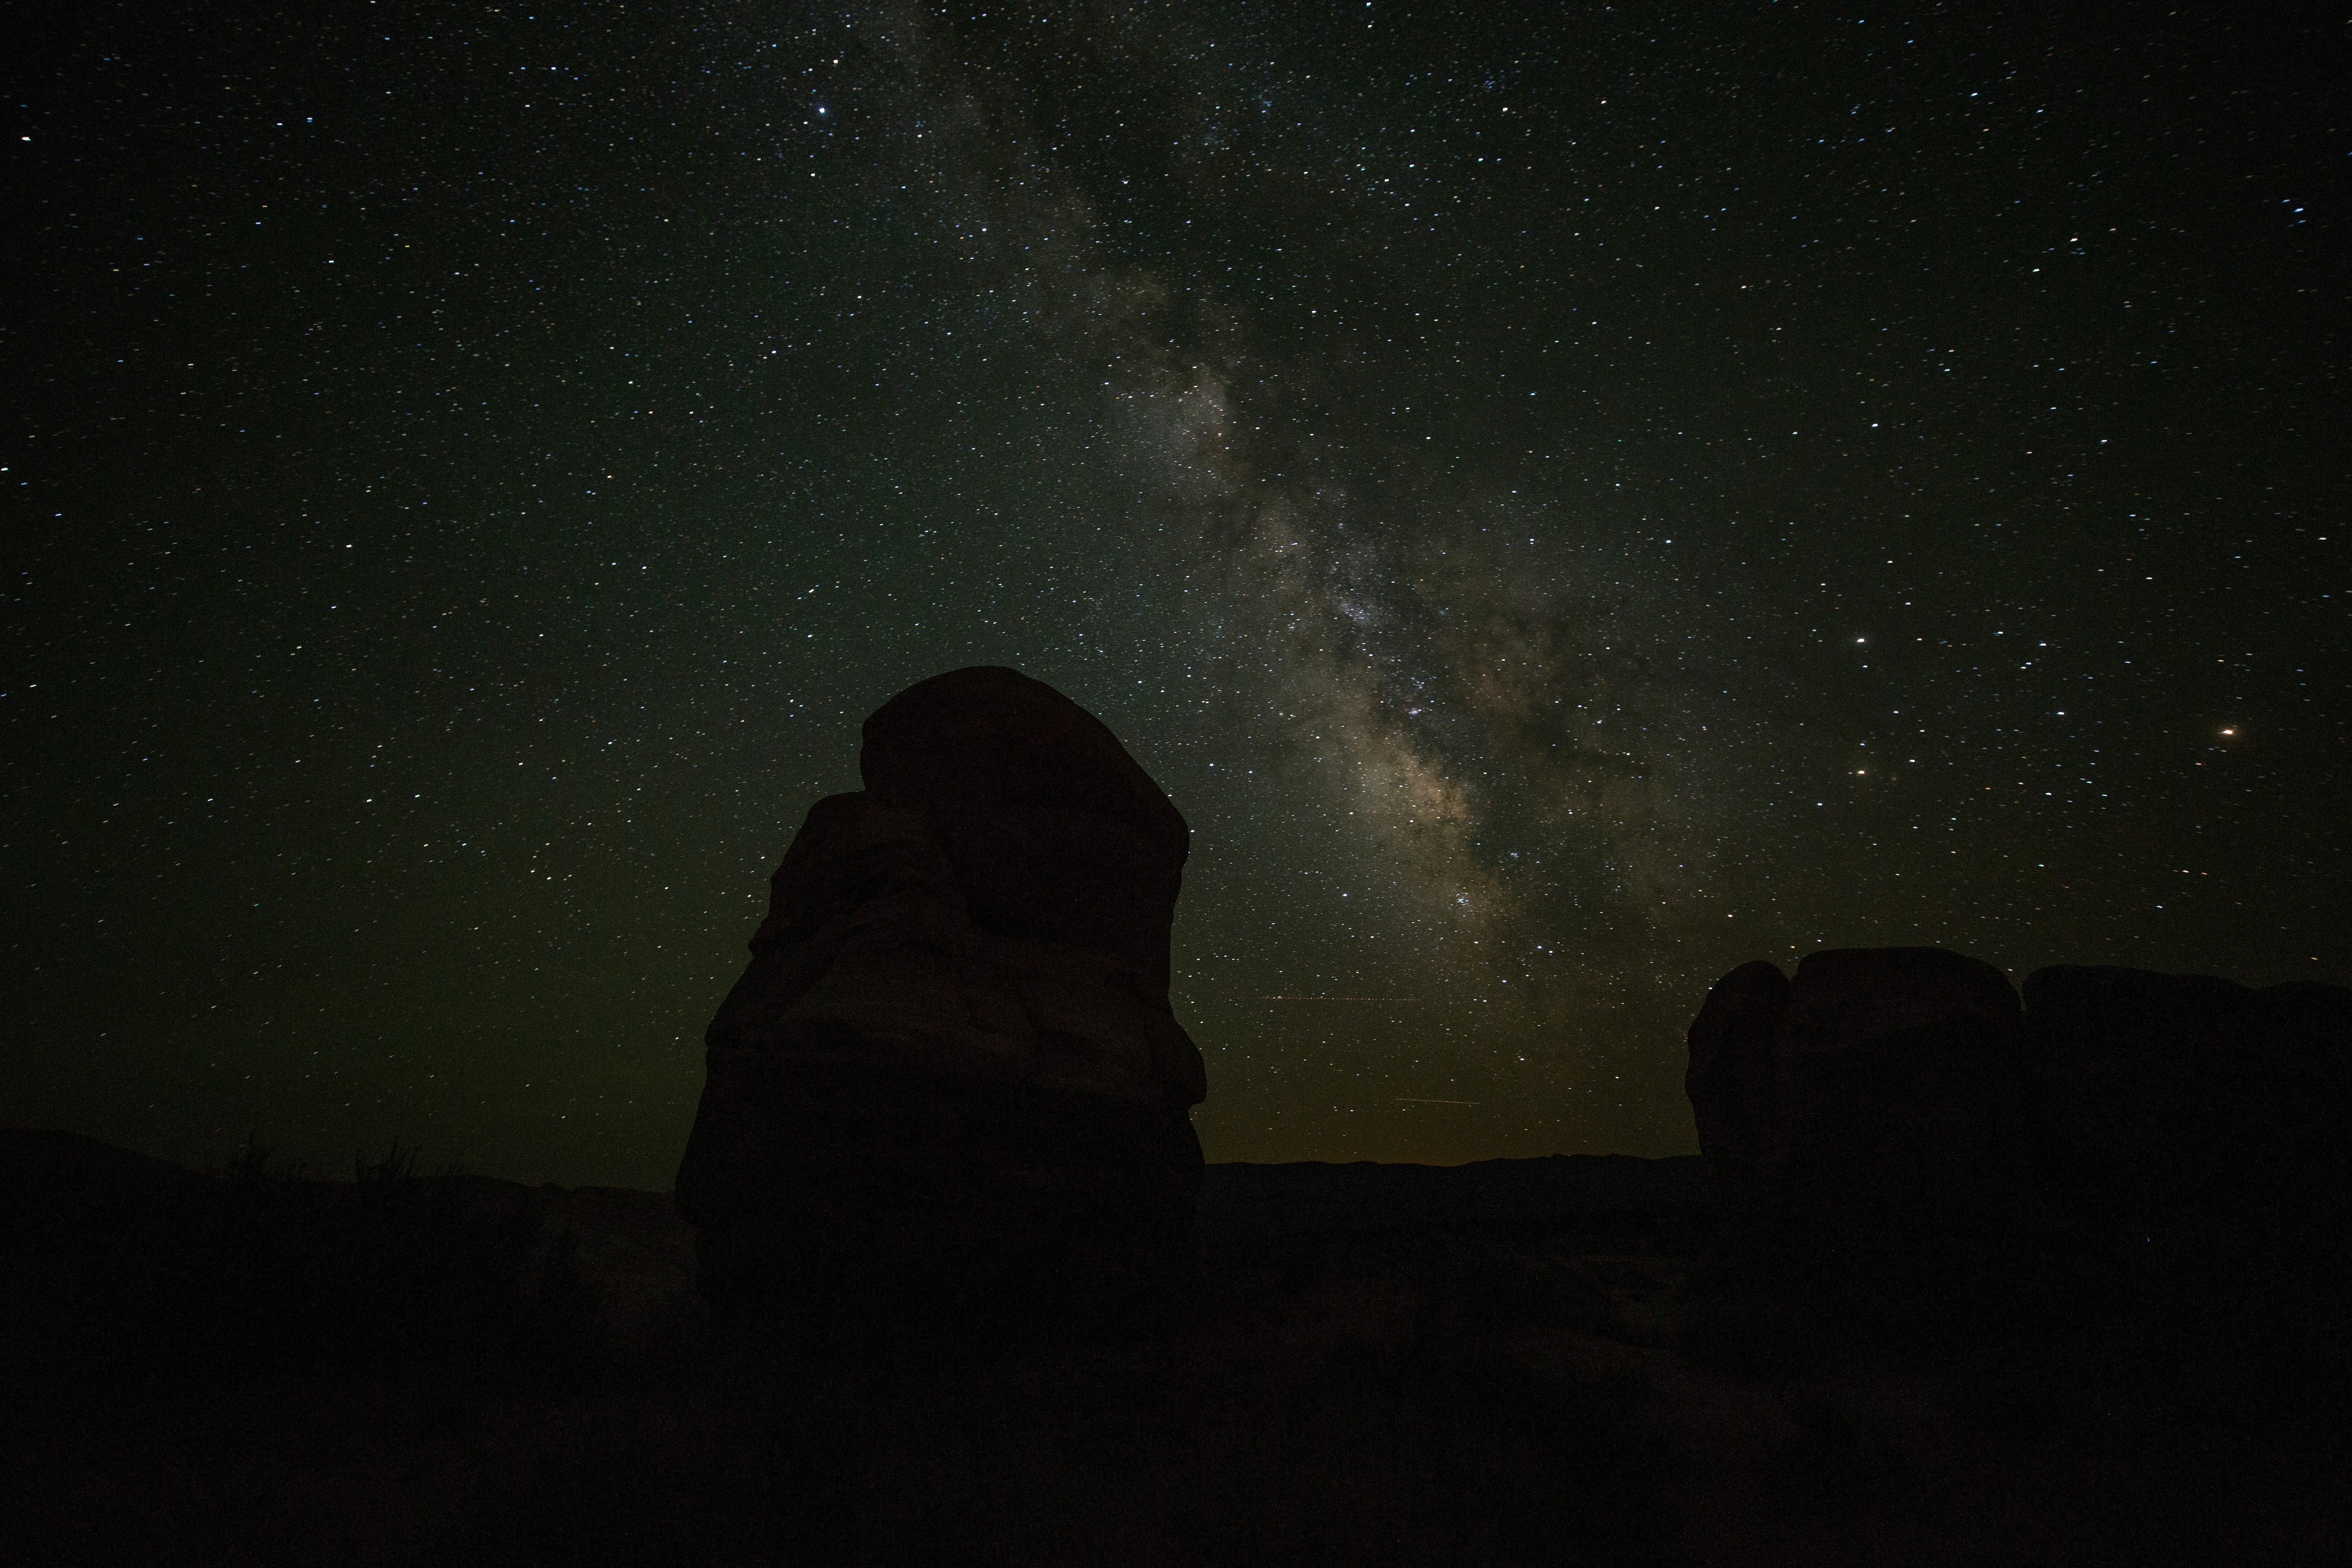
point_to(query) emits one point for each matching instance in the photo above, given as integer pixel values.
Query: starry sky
(1566, 501)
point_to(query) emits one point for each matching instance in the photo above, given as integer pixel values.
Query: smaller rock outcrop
(1876, 1097)
(1732, 1084)
(950, 1075)
(1902, 1097)
(2176, 1141)
(2176, 1099)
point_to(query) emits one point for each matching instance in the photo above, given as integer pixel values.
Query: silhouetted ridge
(1243, 1202)
(1898, 1119)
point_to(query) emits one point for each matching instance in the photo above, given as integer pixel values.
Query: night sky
(1564, 504)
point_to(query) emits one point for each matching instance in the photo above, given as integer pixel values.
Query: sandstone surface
(950, 1072)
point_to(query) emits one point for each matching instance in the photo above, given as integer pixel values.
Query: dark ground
(1553, 1361)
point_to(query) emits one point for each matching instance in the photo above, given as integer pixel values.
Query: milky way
(1564, 504)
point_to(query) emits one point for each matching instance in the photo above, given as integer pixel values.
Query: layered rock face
(1895, 1096)
(951, 1073)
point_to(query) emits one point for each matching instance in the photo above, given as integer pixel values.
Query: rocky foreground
(1521, 1362)
(1963, 1278)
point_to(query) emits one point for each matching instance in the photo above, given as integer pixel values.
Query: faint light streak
(1338, 999)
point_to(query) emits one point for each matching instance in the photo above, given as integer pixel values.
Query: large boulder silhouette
(1877, 1099)
(1902, 1097)
(1732, 1084)
(2179, 1136)
(949, 1084)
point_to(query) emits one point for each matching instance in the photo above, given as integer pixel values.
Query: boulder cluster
(951, 1083)
(950, 1077)
(1908, 1100)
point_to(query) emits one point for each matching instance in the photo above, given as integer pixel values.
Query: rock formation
(2170, 1096)
(1878, 1095)
(1730, 1083)
(950, 1075)
(1887, 1099)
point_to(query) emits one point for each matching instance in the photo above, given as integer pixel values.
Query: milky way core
(1564, 502)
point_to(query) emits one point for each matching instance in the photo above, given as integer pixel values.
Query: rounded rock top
(986, 739)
